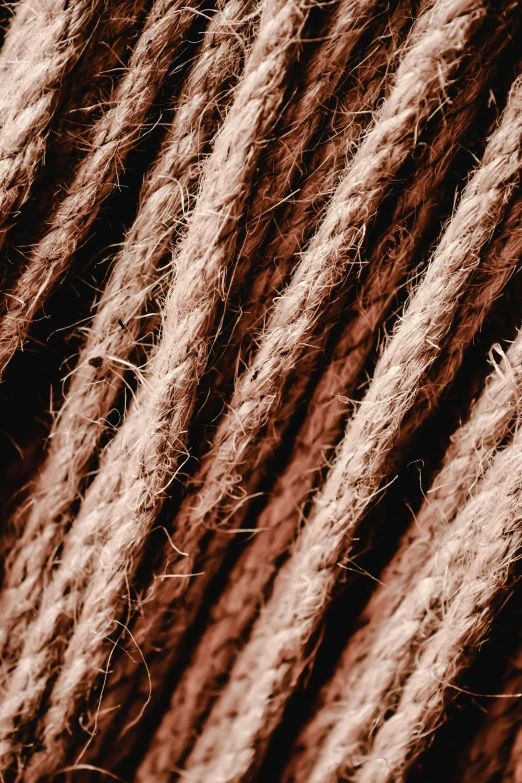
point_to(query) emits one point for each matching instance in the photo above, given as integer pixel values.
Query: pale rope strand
(98, 378)
(157, 474)
(332, 255)
(270, 665)
(156, 632)
(147, 467)
(332, 251)
(39, 53)
(13, 47)
(353, 205)
(303, 116)
(461, 590)
(414, 618)
(301, 214)
(355, 698)
(278, 522)
(88, 94)
(96, 382)
(112, 137)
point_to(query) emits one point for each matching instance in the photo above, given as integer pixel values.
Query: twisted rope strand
(41, 49)
(97, 380)
(271, 663)
(323, 263)
(112, 138)
(203, 256)
(279, 521)
(157, 632)
(468, 572)
(362, 688)
(258, 391)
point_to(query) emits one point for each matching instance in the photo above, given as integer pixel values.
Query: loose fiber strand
(301, 214)
(497, 737)
(322, 266)
(469, 576)
(258, 391)
(112, 137)
(154, 631)
(303, 116)
(272, 661)
(169, 388)
(278, 522)
(361, 689)
(96, 381)
(40, 51)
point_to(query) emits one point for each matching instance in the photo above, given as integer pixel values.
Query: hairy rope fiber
(104, 59)
(468, 570)
(322, 266)
(295, 216)
(266, 671)
(497, 746)
(299, 128)
(228, 436)
(188, 542)
(112, 137)
(279, 521)
(98, 378)
(204, 254)
(351, 704)
(134, 484)
(46, 45)
(155, 633)
(96, 399)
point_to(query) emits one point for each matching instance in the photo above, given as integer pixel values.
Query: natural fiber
(41, 50)
(219, 200)
(261, 489)
(304, 583)
(322, 427)
(480, 552)
(161, 604)
(112, 138)
(381, 654)
(99, 376)
(291, 322)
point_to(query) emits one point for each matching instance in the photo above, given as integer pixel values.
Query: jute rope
(279, 521)
(112, 137)
(308, 257)
(175, 368)
(262, 677)
(99, 376)
(153, 631)
(362, 690)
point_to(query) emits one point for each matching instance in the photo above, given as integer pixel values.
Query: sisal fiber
(303, 585)
(279, 520)
(149, 635)
(261, 368)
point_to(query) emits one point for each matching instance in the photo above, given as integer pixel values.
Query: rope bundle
(262, 508)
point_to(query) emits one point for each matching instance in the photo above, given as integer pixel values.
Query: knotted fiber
(291, 234)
